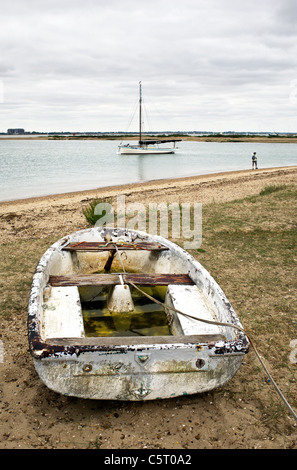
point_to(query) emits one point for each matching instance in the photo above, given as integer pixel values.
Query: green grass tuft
(88, 211)
(272, 189)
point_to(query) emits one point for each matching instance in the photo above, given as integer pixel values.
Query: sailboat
(146, 146)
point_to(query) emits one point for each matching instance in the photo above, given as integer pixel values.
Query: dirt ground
(32, 416)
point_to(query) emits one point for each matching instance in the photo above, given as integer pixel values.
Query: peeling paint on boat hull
(162, 368)
(112, 376)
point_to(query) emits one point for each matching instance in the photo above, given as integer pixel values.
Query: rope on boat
(293, 413)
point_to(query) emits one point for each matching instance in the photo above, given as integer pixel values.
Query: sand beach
(43, 216)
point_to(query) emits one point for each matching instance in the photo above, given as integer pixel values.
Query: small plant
(272, 189)
(88, 211)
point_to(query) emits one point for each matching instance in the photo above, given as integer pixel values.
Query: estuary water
(30, 168)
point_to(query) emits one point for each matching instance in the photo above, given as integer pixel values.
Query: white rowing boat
(196, 349)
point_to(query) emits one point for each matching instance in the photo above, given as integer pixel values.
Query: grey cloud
(222, 58)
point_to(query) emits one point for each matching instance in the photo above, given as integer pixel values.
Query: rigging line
(232, 326)
(153, 106)
(132, 116)
(147, 118)
(135, 106)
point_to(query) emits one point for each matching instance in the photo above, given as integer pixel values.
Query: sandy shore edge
(157, 189)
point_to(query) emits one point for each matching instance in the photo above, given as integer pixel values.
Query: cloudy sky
(214, 65)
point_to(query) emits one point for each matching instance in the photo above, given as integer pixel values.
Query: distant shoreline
(207, 138)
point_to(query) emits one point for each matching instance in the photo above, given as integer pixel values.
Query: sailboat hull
(143, 150)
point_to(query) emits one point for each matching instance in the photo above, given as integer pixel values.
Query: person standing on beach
(254, 161)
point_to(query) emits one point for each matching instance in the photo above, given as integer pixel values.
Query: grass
(254, 242)
(18, 261)
(272, 189)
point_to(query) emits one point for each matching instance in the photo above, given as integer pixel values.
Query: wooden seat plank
(101, 246)
(158, 279)
(113, 279)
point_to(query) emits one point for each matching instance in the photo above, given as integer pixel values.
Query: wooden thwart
(101, 246)
(113, 279)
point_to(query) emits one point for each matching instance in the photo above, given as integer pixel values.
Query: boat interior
(124, 291)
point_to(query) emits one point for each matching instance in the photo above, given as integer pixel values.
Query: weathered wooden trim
(101, 246)
(114, 279)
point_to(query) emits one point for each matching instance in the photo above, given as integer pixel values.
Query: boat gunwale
(54, 347)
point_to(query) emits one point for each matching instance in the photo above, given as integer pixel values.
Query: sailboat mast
(140, 117)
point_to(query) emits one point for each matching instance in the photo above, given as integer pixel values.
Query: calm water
(36, 168)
